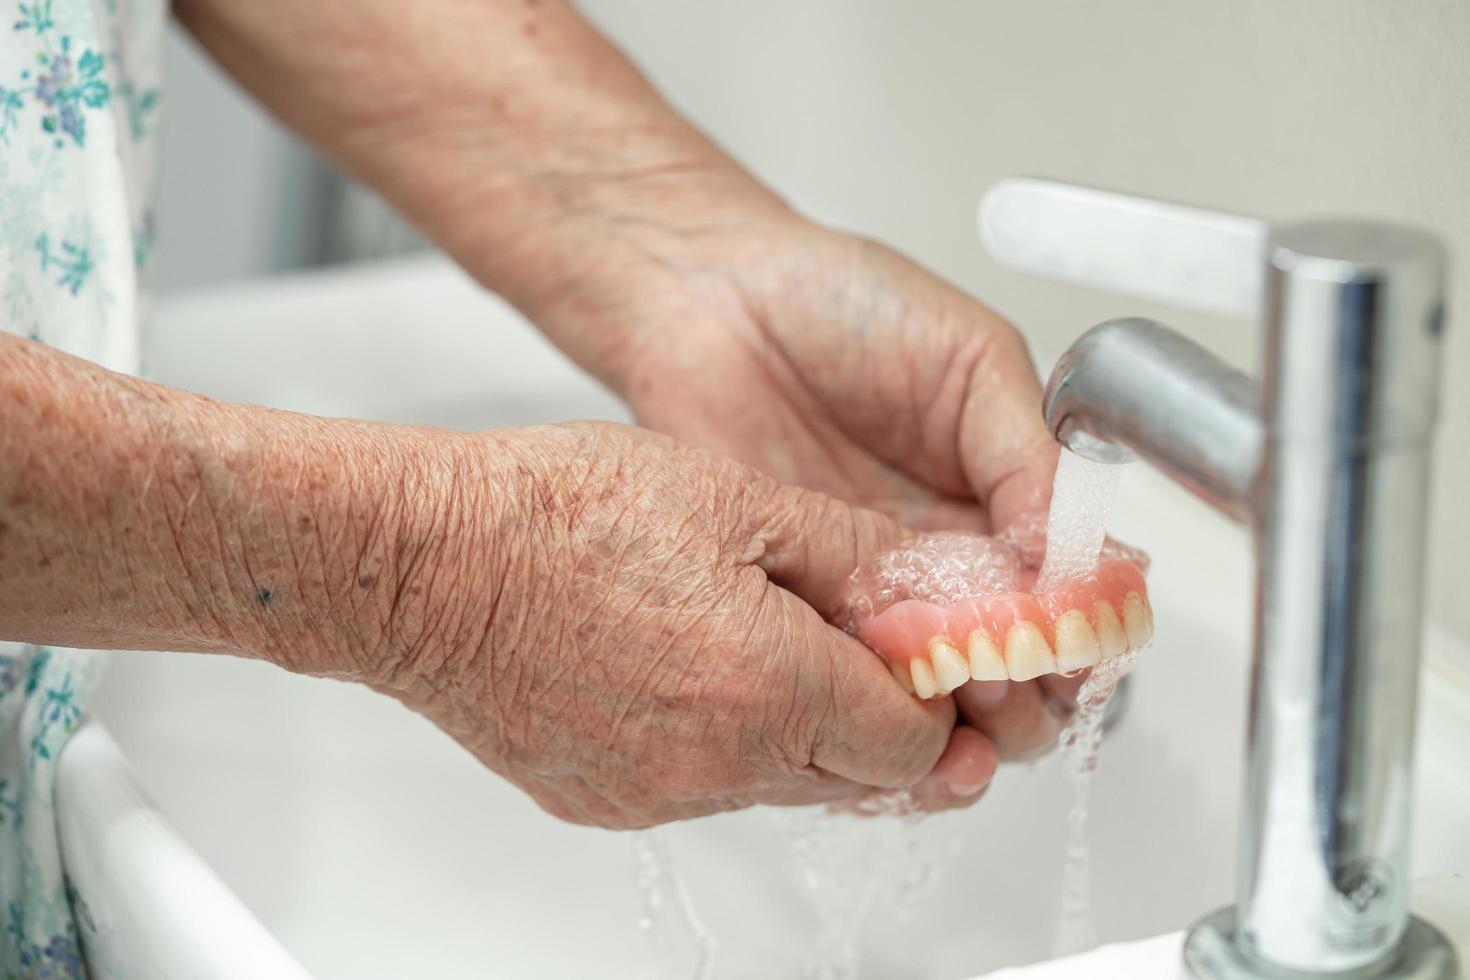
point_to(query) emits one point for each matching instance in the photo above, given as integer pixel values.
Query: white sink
(372, 846)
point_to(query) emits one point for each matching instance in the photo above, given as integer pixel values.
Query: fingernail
(967, 789)
(989, 692)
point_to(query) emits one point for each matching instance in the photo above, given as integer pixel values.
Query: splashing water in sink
(659, 881)
(852, 867)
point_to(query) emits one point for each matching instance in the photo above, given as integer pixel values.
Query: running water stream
(1082, 499)
(1082, 747)
(851, 866)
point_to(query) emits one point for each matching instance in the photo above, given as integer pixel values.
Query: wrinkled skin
(655, 647)
(846, 368)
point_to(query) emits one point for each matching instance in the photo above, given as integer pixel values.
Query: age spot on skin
(264, 596)
(366, 582)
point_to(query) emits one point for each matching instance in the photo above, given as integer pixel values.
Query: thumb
(1008, 456)
(853, 718)
(864, 725)
(812, 543)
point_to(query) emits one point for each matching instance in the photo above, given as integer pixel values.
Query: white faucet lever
(1184, 256)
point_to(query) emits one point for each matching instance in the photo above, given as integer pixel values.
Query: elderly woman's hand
(631, 630)
(836, 364)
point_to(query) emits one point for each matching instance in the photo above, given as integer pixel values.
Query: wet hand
(833, 363)
(637, 635)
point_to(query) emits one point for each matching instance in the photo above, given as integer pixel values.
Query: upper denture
(1014, 634)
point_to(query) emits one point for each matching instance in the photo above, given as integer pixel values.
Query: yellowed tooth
(1110, 637)
(923, 675)
(902, 675)
(950, 669)
(1077, 644)
(1027, 654)
(1138, 622)
(985, 660)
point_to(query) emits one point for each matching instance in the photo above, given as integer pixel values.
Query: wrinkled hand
(638, 636)
(836, 364)
(833, 363)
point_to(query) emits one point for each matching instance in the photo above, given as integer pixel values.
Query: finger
(923, 798)
(811, 543)
(1020, 718)
(967, 764)
(823, 787)
(960, 778)
(1008, 456)
(853, 717)
(1064, 689)
(945, 514)
(962, 774)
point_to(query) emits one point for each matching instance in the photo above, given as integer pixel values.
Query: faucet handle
(1185, 256)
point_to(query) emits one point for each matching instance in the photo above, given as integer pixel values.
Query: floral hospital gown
(78, 137)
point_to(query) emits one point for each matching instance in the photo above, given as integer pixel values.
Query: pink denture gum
(949, 607)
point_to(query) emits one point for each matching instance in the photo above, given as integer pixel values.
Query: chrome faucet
(1327, 459)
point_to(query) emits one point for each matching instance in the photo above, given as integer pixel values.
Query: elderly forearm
(136, 516)
(509, 130)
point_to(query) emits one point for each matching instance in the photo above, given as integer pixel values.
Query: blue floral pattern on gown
(79, 97)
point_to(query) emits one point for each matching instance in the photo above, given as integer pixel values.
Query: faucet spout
(1135, 388)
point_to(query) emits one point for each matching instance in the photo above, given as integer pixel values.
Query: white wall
(891, 117)
(238, 196)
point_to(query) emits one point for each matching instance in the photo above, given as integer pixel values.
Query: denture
(947, 608)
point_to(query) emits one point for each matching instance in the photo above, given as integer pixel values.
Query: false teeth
(1111, 639)
(925, 685)
(1077, 644)
(1138, 622)
(950, 669)
(1016, 636)
(1027, 654)
(986, 663)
